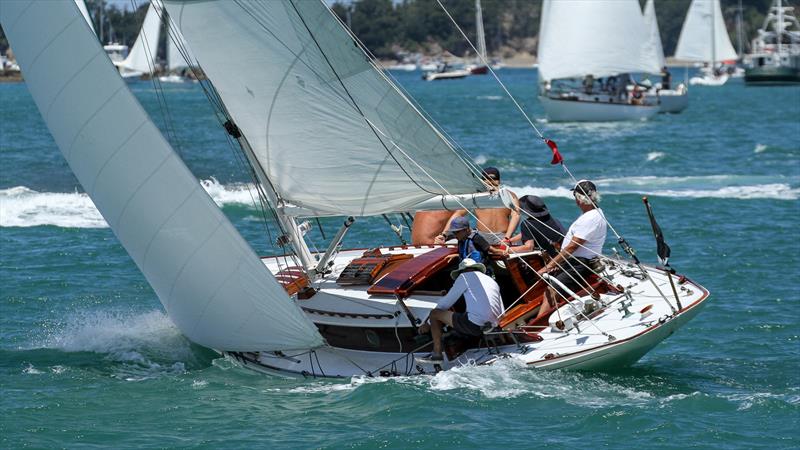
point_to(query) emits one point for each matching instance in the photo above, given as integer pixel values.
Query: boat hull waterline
(632, 326)
(558, 110)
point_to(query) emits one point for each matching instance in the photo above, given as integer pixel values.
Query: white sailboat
(177, 54)
(326, 133)
(704, 39)
(581, 43)
(142, 57)
(671, 100)
(479, 67)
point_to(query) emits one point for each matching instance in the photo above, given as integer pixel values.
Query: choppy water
(88, 358)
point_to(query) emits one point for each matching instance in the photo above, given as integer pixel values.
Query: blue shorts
(464, 326)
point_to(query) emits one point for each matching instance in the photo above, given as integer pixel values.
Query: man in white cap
(582, 243)
(484, 305)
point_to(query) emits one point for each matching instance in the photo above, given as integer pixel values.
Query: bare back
(427, 225)
(494, 220)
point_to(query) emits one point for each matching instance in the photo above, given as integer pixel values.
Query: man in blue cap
(470, 244)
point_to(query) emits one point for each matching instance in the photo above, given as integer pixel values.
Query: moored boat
(586, 58)
(776, 50)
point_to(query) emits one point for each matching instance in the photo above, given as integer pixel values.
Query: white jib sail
(652, 44)
(142, 57)
(592, 37)
(695, 42)
(210, 282)
(177, 49)
(331, 132)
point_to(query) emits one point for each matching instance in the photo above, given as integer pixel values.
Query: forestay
(212, 285)
(332, 133)
(142, 57)
(590, 37)
(652, 43)
(695, 42)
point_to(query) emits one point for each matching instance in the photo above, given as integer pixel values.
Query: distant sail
(332, 133)
(85, 13)
(209, 280)
(695, 42)
(142, 57)
(652, 44)
(600, 38)
(177, 49)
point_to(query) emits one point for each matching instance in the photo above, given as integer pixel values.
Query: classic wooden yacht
(324, 133)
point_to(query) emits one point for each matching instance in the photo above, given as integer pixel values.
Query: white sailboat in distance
(671, 99)
(587, 51)
(705, 39)
(326, 134)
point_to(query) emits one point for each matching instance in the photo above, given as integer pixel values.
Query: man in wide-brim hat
(538, 230)
(484, 306)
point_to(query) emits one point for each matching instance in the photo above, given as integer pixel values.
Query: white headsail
(652, 44)
(696, 42)
(212, 285)
(177, 49)
(331, 132)
(597, 37)
(142, 57)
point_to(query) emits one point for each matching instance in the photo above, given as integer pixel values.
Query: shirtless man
(427, 225)
(494, 224)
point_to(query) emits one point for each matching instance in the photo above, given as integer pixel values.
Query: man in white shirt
(582, 243)
(484, 304)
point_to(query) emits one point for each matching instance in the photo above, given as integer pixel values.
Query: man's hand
(440, 239)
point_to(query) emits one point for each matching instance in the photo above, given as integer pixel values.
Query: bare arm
(563, 254)
(514, 217)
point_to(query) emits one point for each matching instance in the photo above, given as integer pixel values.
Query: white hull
(173, 79)
(587, 111)
(709, 80)
(673, 101)
(453, 75)
(637, 324)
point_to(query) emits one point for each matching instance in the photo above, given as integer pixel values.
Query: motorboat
(445, 72)
(776, 50)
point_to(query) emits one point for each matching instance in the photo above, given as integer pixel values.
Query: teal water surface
(89, 359)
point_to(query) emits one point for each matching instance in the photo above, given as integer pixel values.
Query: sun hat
(534, 205)
(467, 264)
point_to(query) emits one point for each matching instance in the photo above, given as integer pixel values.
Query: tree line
(389, 27)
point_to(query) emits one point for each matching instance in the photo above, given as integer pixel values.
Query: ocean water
(89, 359)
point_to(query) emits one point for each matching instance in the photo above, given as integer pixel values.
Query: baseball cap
(491, 172)
(585, 187)
(459, 223)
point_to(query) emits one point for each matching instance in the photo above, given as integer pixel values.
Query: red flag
(557, 159)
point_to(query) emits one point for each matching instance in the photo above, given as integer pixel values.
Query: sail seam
(136, 191)
(112, 155)
(35, 59)
(19, 17)
(70, 80)
(166, 220)
(190, 258)
(355, 104)
(68, 153)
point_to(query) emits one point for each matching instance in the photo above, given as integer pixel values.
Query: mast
(713, 33)
(780, 26)
(739, 40)
(479, 27)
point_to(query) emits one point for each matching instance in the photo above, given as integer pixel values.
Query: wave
(714, 186)
(141, 345)
(655, 156)
(24, 207)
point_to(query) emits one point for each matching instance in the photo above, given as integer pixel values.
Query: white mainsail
(480, 37)
(331, 132)
(704, 39)
(592, 37)
(142, 57)
(209, 280)
(652, 44)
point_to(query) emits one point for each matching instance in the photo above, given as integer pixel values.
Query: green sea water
(88, 357)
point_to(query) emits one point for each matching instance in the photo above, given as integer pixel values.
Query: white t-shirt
(591, 227)
(482, 295)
